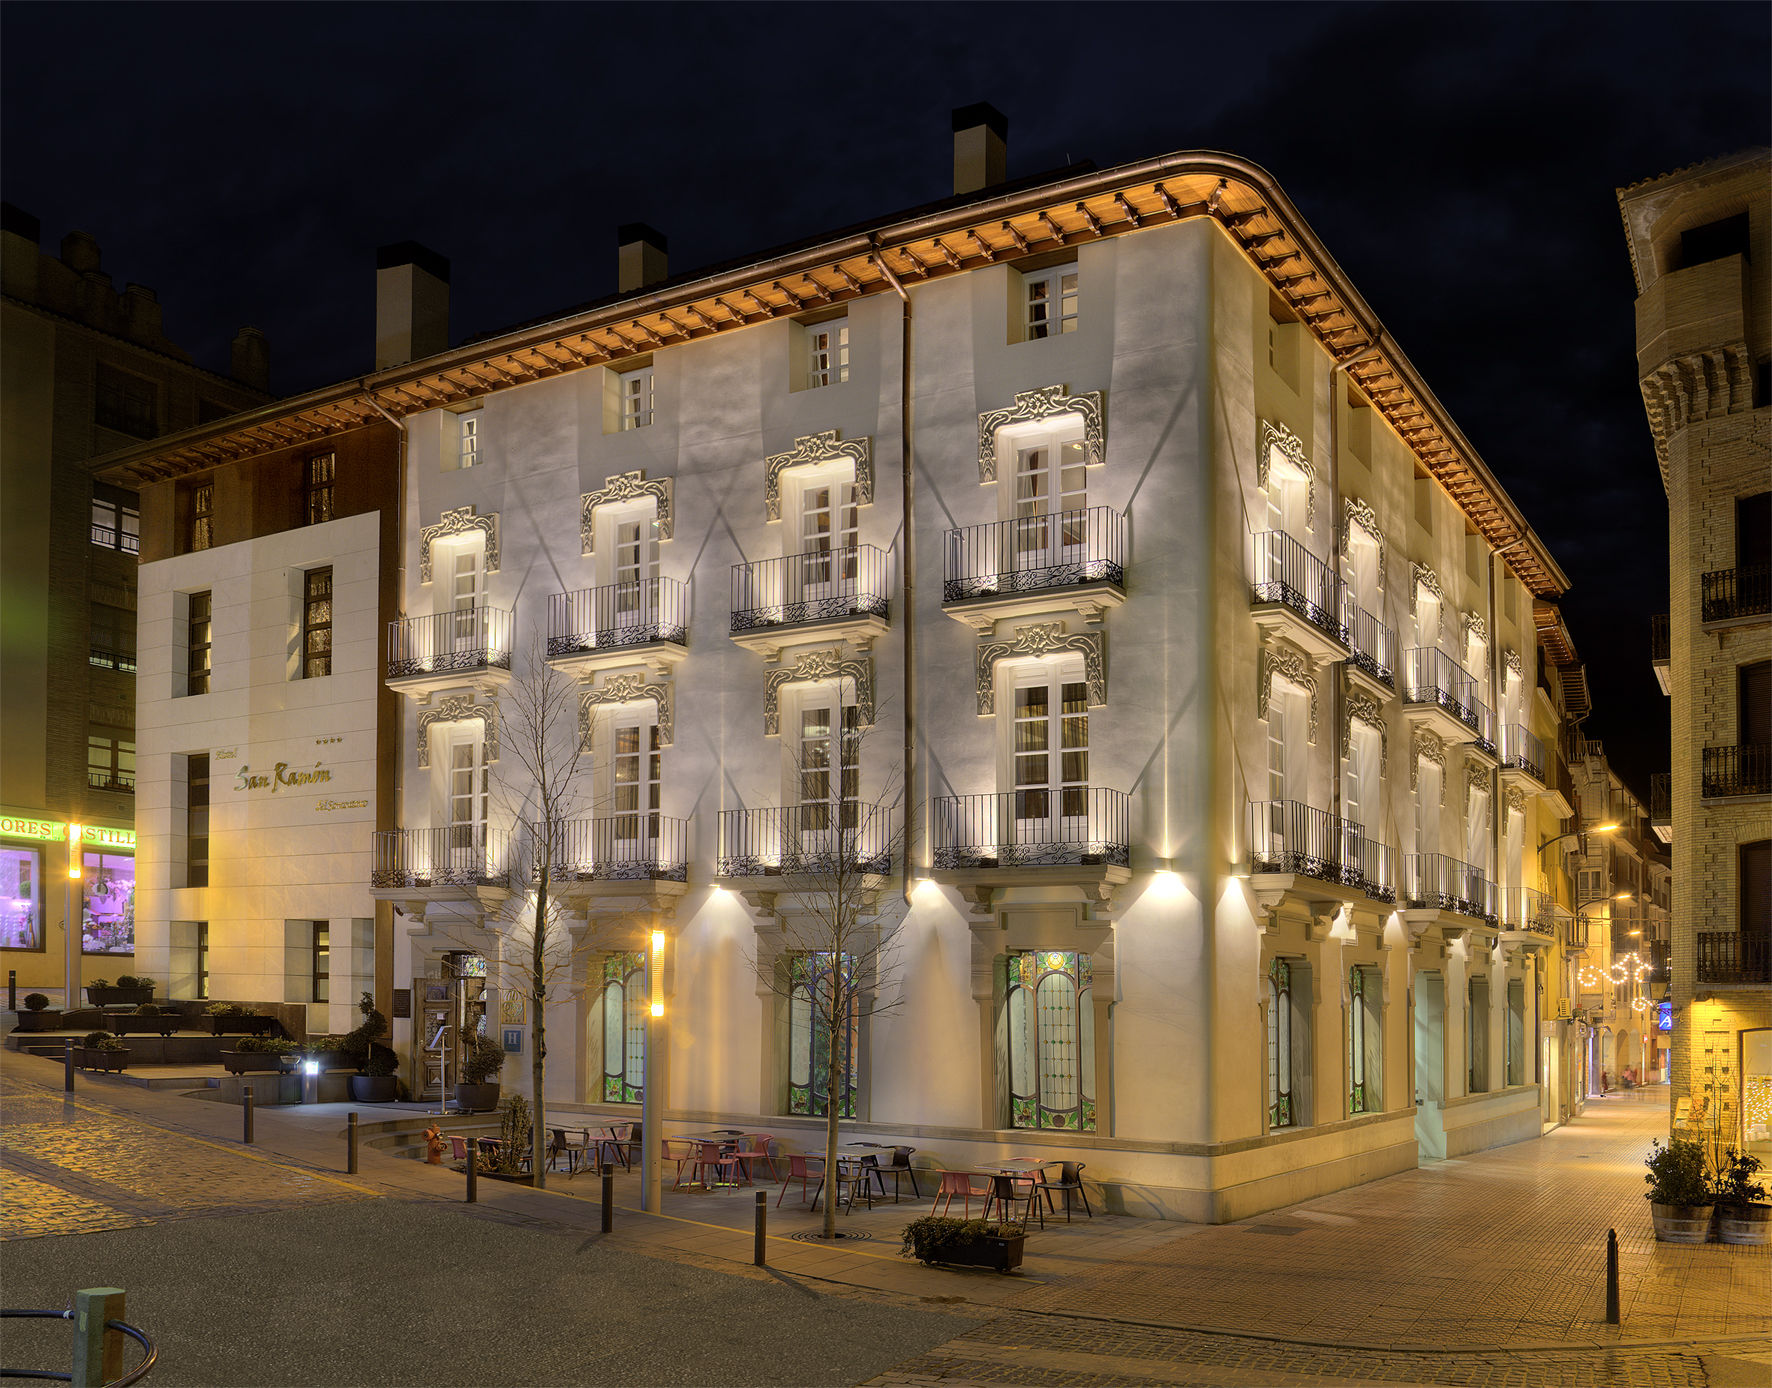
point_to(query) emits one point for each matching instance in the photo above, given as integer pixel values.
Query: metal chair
(574, 1152)
(757, 1151)
(1070, 1178)
(614, 1140)
(957, 1183)
(800, 1168)
(684, 1155)
(898, 1168)
(1006, 1197)
(722, 1161)
(458, 1146)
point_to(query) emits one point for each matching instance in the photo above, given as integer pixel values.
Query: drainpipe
(398, 807)
(908, 574)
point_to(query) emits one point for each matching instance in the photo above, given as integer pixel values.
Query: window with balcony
(635, 761)
(634, 391)
(1049, 1001)
(1365, 1039)
(624, 1006)
(111, 641)
(1287, 752)
(116, 520)
(1476, 831)
(827, 769)
(316, 623)
(197, 643)
(318, 476)
(197, 819)
(821, 990)
(1049, 755)
(1360, 789)
(110, 760)
(827, 353)
(1050, 301)
(1428, 779)
(125, 403)
(466, 790)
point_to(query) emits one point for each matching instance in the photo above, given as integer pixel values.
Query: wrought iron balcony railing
(818, 586)
(1034, 553)
(1431, 676)
(1287, 573)
(1289, 837)
(1373, 644)
(807, 841)
(122, 782)
(1729, 593)
(1661, 797)
(1527, 908)
(618, 615)
(106, 659)
(640, 847)
(1743, 770)
(1575, 933)
(1520, 749)
(1069, 826)
(1660, 642)
(1434, 881)
(1728, 956)
(466, 639)
(109, 537)
(457, 855)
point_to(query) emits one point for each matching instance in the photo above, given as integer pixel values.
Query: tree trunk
(832, 1113)
(538, 992)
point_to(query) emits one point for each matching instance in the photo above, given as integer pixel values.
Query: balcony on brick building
(1741, 770)
(1728, 595)
(1729, 957)
(1660, 645)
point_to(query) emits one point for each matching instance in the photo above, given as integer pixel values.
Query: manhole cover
(811, 1236)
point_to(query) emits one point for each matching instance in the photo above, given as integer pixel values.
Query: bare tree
(838, 939)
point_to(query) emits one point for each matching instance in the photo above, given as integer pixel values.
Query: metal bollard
(98, 1352)
(12, 990)
(1612, 1317)
(757, 1256)
(473, 1173)
(608, 1197)
(350, 1144)
(246, 1114)
(68, 1067)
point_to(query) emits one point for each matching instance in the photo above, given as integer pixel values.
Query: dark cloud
(1458, 160)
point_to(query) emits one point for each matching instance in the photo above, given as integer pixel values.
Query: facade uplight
(657, 973)
(76, 833)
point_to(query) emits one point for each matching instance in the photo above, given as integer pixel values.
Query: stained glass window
(1364, 1040)
(818, 990)
(624, 1027)
(1051, 1011)
(1280, 1111)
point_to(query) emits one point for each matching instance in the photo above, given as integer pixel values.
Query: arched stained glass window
(624, 1027)
(1280, 1113)
(817, 990)
(1356, 1041)
(1051, 1019)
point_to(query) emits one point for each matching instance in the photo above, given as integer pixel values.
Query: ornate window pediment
(1277, 658)
(626, 689)
(1475, 630)
(457, 711)
(1356, 512)
(819, 665)
(461, 521)
(811, 449)
(1044, 638)
(1426, 578)
(1276, 440)
(1031, 406)
(1361, 708)
(1510, 658)
(626, 486)
(1426, 747)
(1476, 777)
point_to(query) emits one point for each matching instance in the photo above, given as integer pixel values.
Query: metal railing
(1522, 751)
(1661, 797)
(122, 782)
(1286, 836)
(806, 841)
(1660, 642)
(1372, 643)
(639, 847)
(457, 855)
(818, 586)
(1285, 572)
(1432, 880)
(1527, 908)
(1728, 956)
(1431, 676)
(106, 659)
(1729, 593)
(1742, 770)
(469, 638)
(1575, 933)
(1071, 826)
(109, 537)
(618, 615)
(1034, 553)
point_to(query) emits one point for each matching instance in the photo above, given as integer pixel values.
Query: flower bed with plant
(938, 1238)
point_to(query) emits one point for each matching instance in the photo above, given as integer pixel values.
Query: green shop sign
(46, 830)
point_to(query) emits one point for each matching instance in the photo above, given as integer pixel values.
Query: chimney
(981, 147)
(141, 310)
(249, 362)
(20, 234)
(80, 252)
(641, 259)
(411, 304)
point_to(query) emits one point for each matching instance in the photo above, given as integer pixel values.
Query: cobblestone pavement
(69, 1167)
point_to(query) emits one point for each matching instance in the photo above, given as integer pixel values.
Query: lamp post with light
(72, 925)
(651, 1139)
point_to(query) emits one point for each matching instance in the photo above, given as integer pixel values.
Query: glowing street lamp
(651, 1107)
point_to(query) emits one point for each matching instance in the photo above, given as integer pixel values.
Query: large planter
(251, 1062)
(986, 1251)
(163, 1023)
(375, 1089)
(243, 1026)
(93, 1058)
(49, 1019)
(118, 997)
(476, 1098)
(1749, 1224)
(1681, 1223)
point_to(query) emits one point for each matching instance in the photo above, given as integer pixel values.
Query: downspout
(908, 574)
(397, 809)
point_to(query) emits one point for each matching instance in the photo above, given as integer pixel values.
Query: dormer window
(828, 350)
(1051, 301)
(636, 398)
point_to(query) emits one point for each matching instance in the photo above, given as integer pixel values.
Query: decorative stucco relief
(1359, 708)
(819, 448)
(1426, 747)
(1356, 512)
(1031, 406)
(819, 665)
(1516, 801)
(1426, 578)
(1475, 629)
(626, 486)
(1476, 777)
(461, 521)
(1043, 638)
(1511, 659)
(1293, 665)
(1277, 438)
(627, 689)
(457, 711)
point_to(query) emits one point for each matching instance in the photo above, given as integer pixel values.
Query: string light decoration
(1630, 969)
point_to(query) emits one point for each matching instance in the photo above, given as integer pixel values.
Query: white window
(1288, 496)
(1051, 502)
(470, 438)
(634, 550)
(467, 793)
(1427, 618)
(1287, 714)
(1050, 1002)
(635, 758)
(829, 526)
(827, 769)
(1051, 301)
(1362, 558)
(636, 398)
(1427, 807)
(827, 346)
(1476, 660)
(466, 596)
(1476, 832)
(1359, 780)
(1049, 756)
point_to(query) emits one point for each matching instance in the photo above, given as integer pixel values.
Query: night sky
(1459, 162)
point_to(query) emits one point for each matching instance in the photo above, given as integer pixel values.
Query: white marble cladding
(296, 847)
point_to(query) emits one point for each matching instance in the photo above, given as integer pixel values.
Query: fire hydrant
(434, 1145)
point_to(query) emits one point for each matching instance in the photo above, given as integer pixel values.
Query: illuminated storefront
(33, 853)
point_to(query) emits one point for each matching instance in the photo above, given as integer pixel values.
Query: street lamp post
(651, 1107)
(71, 922)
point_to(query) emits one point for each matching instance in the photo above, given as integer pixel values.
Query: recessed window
(828, 348)
(1284, 340)
(201, 534)
(197, 820)
(116, 521)
(1050, 1000)
(322, 962)
(1051, 301)
(636, 398)
(197, 638)
(624, 1027)
(317, 479)
(125, 403)
(202, 960)
(111, 643)
(110, 761)
(821, 988)
(316, 623)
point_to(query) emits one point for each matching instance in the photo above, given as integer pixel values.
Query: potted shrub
(977, 1243)
(1743, 1213)
(253, 1054)
(377, 1080)
(38, 1014)
(99, 1050)
(148, 1017)
(329, 1052)
(127, 991)
(515, 1134)
(478, 1090)
(228, 1017)
(1679, 1194)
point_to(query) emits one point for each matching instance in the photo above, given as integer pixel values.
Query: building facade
(86, 369)
(1699, 245)
(1093, 579)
